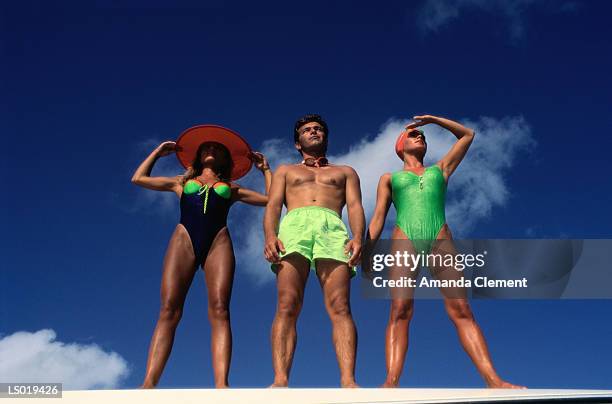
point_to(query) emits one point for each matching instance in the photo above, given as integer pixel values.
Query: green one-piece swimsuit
(420, 202)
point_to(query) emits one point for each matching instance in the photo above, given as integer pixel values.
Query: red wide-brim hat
(399, 143)
(190, 140)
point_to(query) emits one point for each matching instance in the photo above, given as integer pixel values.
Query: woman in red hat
(214, 157)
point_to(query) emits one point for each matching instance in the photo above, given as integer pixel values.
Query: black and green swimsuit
(204, 210)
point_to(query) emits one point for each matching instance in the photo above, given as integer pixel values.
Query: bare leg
(400, 314)
(460, 313)
(335, 280)
(473, 342)
(290, 281)
(179, 269)
(219, 274)
(396, 344)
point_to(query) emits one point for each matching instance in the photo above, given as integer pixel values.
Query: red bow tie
(318, 162)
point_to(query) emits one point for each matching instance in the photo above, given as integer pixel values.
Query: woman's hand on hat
(420, 120)
(166, 148)
(260, 161)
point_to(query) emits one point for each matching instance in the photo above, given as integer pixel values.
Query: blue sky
(90, 88)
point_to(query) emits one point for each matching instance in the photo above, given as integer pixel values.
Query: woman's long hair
(224, 172)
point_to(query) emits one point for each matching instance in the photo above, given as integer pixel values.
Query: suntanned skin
(331, 187)
(180, 267)
(458, 308)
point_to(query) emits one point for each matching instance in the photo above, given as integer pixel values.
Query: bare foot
(146, 386)
(350, 385)
(504, 385)
(276, 385)
(388, 385)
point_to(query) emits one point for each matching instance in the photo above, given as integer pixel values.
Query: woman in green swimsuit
(419, 194)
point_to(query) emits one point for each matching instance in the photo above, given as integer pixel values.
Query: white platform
(311, 396)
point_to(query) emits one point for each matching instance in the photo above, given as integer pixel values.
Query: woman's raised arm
(142, 174)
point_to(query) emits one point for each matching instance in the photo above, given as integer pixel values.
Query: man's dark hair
(307, 119)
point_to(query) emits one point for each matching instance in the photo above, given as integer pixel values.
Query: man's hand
(420, 120)
(272, 249)
(166, 148)
(354, 247)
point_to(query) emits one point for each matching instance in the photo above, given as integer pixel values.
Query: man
(312, 234)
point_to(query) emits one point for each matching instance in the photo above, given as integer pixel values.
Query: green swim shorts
(314, 232)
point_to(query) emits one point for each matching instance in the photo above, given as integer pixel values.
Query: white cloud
(246, 222)
(37, 357)
(480, 183)
(436, 13)
(478, 186)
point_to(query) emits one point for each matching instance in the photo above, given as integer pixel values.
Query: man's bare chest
(326, 177)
